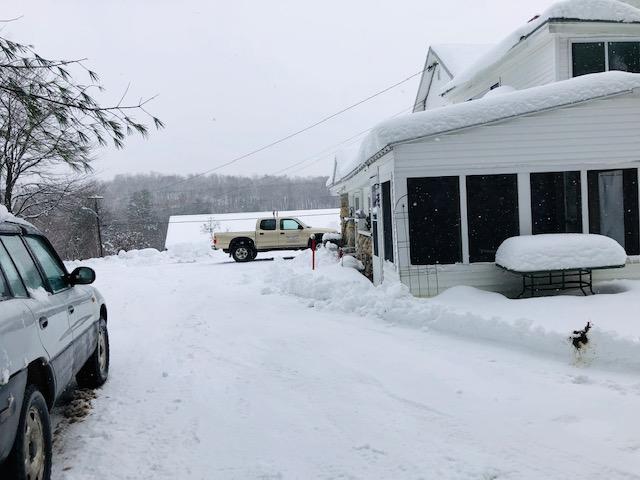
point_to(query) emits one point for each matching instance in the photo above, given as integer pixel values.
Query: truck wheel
(243, 253)
(30, 458)
(95, 371)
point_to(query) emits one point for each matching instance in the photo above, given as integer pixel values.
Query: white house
(538, 134)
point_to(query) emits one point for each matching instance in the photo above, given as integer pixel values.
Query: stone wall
(364, 253)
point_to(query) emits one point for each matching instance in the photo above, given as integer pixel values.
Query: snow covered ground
(267, 370)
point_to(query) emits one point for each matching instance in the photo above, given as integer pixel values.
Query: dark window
(289, 224)
(613, 206)
(387, 220)
(624, 56)
(434, 220)
(51, 265)
(12, 275)
(492, 210)
(588, 58)
(556, 205)
(375, 202)
(24, 263)
(374, 233)
(268, 224)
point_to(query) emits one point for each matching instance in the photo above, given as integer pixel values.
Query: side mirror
(82, 276)
(300, 227)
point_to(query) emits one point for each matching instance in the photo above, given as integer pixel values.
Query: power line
(298, 132)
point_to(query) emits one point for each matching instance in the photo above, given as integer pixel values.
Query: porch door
(613, 206)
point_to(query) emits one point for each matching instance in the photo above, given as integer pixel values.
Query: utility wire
(296, 133)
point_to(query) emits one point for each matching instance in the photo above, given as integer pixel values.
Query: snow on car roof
(580, 10)
(6, 216)
(454, 117)
(192, 229)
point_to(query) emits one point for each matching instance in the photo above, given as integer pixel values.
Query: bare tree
(48, 118)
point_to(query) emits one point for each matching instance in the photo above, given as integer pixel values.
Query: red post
(313, 253)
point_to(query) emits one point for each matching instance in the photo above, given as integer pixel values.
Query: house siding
(596, 135)
(529, 64)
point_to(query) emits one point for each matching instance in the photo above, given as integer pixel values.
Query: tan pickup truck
(275, 233)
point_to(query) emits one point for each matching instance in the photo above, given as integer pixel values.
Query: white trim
(464, 219)
(524, 203)
(584, 200)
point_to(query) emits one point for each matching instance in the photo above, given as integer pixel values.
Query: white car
(53, 328)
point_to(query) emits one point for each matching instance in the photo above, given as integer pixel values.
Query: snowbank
(536, 253)
(604, 10)
(491, 109)
(541, 325)
(179, 253)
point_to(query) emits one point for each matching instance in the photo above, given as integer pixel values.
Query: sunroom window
(594, 57)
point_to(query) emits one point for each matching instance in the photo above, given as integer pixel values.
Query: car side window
(5, 293)
(289, 224)
(51, 265)
(269, 224)
(23, 261)
(11, 274)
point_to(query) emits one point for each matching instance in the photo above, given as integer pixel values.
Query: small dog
(579, 338)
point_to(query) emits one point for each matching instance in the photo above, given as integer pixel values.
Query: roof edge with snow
(452, 118)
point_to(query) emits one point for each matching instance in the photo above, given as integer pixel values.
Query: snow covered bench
(559, 261)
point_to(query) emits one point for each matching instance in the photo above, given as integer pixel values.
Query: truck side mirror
(300, 227)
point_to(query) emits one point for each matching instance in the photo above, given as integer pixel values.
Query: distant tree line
(136, 208)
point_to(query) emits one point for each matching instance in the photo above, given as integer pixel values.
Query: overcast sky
(237, 74)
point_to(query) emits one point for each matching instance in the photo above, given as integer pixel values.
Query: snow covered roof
(486, 110)
(190, 229)
(457, 57)
(578, 10)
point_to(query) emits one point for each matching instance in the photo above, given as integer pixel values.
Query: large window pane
(624, 56)
(588, 58)
(434, 220)
(613, 206)
(492, 212)
(556, 205)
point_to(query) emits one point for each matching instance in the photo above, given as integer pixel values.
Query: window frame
(15, 267)
(605, 42)
(290, 229)
(476, 228)
(43, 276)
(536, 229)
(275, 225)
(55, 257)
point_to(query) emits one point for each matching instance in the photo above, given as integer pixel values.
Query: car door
(267, 234)
(18, 337)
(80, 301)
(292, 234)
(50, 308)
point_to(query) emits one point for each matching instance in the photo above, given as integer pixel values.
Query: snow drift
(540, 325)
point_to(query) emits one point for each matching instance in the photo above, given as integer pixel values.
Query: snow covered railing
(559, 261)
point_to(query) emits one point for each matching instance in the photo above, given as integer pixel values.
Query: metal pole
(95, 198)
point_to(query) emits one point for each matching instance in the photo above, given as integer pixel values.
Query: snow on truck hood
(454, 117)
